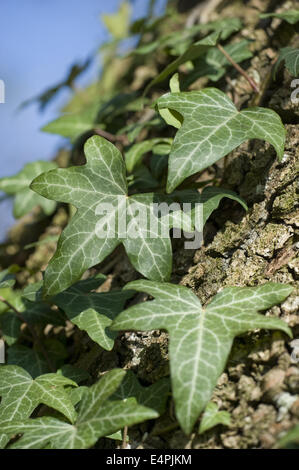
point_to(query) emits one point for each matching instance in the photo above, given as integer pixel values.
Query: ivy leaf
(212, 128)
(290, 56)
(74, 373)
(179, 41)
(158, 164)
(171, 117)
(210, 199)
(7, 278)
(225, 26)
(118, 23)
(200, 339)
(213, 65)
(29, 359)
(10, 326)
(153, 396)
(75, 124)
(92, 311)
(90, 237)
(291, 16)
(142, 179)
(3, 440)
(97, 417)
(212, 417)
(18, 185)
(116, 436)
(134, 155)
(290, 440)
(193, 52)
(21, 394)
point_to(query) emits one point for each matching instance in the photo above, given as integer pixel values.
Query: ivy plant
(212, 417)
(97, 416)
(102, 181)
(134, 147)
(213, 127)
(200, 338)
(21, 394)
(290, 56)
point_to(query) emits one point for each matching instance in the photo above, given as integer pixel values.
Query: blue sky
(40, 40)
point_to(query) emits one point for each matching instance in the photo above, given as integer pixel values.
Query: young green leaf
(212, 417)
(192, 53)
(291, 439)
(171, 117)
(134, 155)
(290, 56)
(291, 16)
(118, 23)
(93, 312)
(18, 185)
(75, 124)
(95, 189)
(97, 416)
(21, 394)
(212, 128)
(200, 339)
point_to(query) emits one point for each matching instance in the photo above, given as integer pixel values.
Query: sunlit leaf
(212, 128)
(212, 417)
(97, 416)
(90, 237)
(200, 338)
(21, 394)
(118, 23)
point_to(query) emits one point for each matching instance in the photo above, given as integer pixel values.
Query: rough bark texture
(260, 386)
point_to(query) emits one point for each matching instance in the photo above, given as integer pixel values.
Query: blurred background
(40, 42)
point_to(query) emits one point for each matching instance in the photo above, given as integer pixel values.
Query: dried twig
(125, 435)
(122, 138)
(239, 69)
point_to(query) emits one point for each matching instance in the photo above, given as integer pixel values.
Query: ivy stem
(239, 69)
(125, 435)
(122, 138)
(32, 331)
